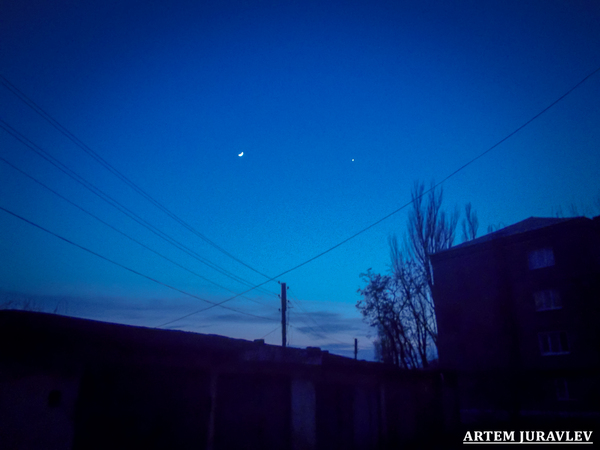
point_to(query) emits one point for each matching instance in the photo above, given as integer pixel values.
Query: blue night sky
(338, 108)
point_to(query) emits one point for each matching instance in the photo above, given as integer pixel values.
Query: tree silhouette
(400, 305)
(470, 224)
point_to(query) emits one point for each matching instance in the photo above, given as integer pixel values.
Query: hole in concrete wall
(54, 398)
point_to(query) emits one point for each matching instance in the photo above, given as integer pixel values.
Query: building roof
(37, 335)
(530, 224)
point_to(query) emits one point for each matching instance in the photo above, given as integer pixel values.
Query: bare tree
(400, 304)
(558, 212)
(389, 304)
(25, 305)
(470, 224)
(589, 209)
(495, 227)
(430, 229)
(23, 302)
(574, 210)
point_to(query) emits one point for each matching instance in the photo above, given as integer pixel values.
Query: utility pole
(355, 348)
(283, 314)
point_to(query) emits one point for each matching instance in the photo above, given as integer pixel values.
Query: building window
(547, 299)
(54, 398)
(554, 343)
(543, 257)
(562, 389)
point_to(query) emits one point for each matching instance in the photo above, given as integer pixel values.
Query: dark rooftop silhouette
(530, 224)
(36, 333)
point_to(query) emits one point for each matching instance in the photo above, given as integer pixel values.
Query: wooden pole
(283, 314)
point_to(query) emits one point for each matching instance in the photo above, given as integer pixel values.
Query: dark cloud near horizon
(142, 312)
(321, 323)
(318, 324)
(243, 318)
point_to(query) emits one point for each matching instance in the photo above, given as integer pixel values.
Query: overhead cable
(461, 168)
(116, 204)
(296, 301)
(452, 174)
(132, 270)
(25, 99)
(121, 232)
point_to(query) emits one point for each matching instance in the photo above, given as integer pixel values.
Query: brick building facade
(518, 321)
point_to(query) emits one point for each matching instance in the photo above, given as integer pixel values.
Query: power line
(425, 192)
(397, 210)
(271, 332)
(468, 163)
(121, 232)
(461, 168)
(314, 331)
(306, 324)
(132, 270)
(212, 306)
(116, 204)
(325, 333)
(25, 99)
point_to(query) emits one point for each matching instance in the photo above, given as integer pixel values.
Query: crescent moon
(241, 154)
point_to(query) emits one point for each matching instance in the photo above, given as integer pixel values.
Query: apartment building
(518, 321)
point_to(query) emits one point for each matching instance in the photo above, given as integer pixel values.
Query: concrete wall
(37, 407)
(66, 383)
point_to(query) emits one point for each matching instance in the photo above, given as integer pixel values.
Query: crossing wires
(213, 304)
(57, 125)
(115, 203)
(330, 249)
(434, 186)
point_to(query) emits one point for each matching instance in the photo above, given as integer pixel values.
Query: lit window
(554, 343)
(562, 389)
(547, 299)
(543, 257)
